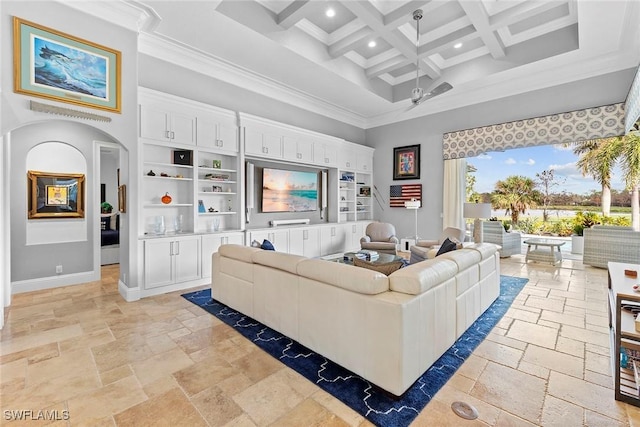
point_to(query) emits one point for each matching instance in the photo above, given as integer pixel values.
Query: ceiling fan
(417, 94)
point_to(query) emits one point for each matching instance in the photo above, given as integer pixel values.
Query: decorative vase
(166, 199)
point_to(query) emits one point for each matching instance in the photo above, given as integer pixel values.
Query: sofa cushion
(239, 252)
(464, 258)
(356, 279)
(279, 260)
(487, 250)
(422, 276)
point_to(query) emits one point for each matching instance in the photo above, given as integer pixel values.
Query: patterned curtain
(580, 125)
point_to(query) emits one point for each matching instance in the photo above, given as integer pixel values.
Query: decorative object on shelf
(365, 191)
(216, 177)
(212, 210)
(183, 157)
(201, 208)
(178, 223)
(106, 208)
(179, 175)
(477, 211)
(151, 173)
(166, 199)
(217, 189)
(217, 164)
(159, 225)
(398, 194)
(39, 50)
(406, 162)
(54, 195)
(216, 224)
(122, 198)
(414, 205)
(164, 174)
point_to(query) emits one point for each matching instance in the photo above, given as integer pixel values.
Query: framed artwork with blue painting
(406, 162)
(61, 67)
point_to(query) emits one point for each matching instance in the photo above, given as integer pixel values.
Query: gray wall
(26, 128)
(171, 78)
(428, 131)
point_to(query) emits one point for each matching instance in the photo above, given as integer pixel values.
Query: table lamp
(477, 211)
(413, 204)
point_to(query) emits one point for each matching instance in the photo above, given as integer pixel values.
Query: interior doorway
(109, 174)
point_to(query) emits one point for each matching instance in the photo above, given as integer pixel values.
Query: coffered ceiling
(486, 49)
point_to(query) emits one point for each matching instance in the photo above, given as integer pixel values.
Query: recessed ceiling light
(330, 12)
(372, 43)
(457, 45)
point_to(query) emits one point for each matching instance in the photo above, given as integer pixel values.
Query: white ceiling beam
(372, 17)
(293, 13)
(480, 20)
(350, 42)
(387, 66)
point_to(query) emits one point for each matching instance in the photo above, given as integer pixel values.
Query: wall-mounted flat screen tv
(289, 191)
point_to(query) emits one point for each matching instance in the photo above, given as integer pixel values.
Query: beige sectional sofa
(387, 329)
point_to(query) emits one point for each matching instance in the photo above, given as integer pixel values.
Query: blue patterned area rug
(354, 391)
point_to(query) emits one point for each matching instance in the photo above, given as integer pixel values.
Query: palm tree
(516, 194)
(597, 158)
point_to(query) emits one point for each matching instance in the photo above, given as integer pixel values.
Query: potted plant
(106, 208)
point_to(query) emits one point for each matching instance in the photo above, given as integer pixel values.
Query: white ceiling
(291, 51)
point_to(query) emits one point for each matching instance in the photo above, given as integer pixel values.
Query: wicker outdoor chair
(493, 232)
(603, 243)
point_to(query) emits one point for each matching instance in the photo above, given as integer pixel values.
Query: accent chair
(511, 243)
(380, 237)
(421, 250)
(604, 243)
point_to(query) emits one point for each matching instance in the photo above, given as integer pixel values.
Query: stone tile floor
(84, 352)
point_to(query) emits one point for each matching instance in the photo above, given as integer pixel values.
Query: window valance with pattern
(580, 125)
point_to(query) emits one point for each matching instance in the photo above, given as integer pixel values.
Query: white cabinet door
(262, 144)
(165, 125)
(297, 149)
(158, 263)
(364, 162)
(332, 239)
(217, 132)
(183, 128)
(278, 238)
(325, 154)
(347, 159)
(305, 241)
(154, 123)
(211, 243)
(186, 253)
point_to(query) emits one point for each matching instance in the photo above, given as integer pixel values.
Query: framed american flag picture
(398, 194)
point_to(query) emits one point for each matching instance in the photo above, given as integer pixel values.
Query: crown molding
(130, 15)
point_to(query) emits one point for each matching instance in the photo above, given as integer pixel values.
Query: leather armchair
(420, 251)
(380, 237)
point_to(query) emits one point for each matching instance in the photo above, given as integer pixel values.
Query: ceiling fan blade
(438, 90)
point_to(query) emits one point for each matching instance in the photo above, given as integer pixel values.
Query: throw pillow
(267, 245)
(104, 223)
(447, 246)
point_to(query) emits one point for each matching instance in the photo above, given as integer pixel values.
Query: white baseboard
(54, 282)
(129, 294)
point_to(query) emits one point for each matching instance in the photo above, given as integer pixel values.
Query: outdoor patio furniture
(493, 232)
(603, 243)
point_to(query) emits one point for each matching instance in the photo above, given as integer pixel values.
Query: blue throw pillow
(446, 246)
(267, 245)
(104, 223)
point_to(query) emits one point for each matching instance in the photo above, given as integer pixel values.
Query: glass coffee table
(385, 263)
(537, 250)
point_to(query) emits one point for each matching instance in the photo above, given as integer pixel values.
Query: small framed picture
(406, 162)
(217, 164)
(217, 189)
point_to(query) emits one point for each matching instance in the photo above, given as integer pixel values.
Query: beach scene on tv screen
(289, 191)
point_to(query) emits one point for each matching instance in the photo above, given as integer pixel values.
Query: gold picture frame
(58, 66)
(54, 195)
(122, 198)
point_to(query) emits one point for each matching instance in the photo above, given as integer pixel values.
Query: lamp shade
(412, 204)
(477, 210)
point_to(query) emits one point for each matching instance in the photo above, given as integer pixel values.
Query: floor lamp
(477, 211)
(413, 204)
